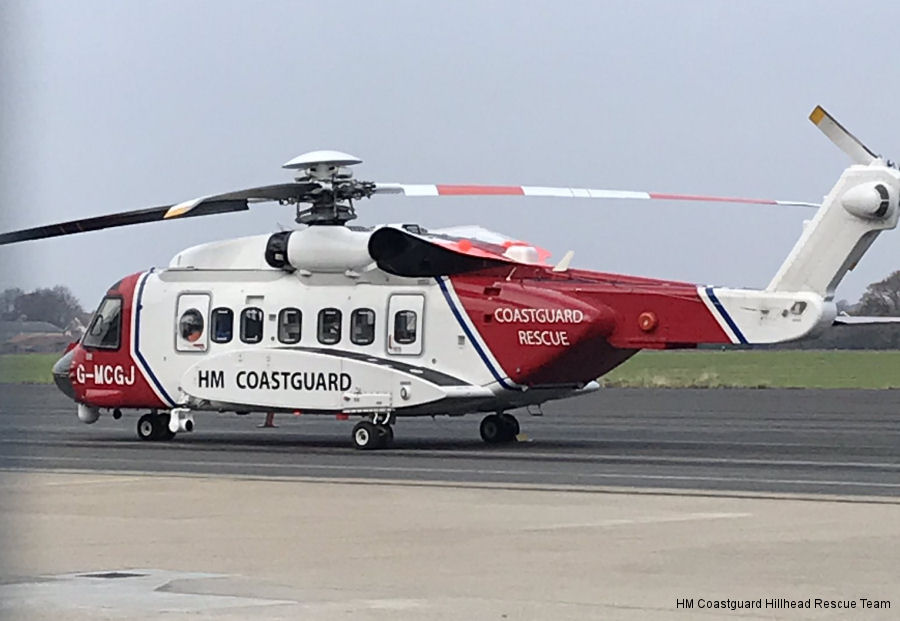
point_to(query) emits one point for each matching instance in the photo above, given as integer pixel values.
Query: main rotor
(332, 188)
(324, 192)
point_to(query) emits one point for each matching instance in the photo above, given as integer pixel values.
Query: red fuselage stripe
(480, 189)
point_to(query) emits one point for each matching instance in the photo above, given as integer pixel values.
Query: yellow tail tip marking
(817, 115)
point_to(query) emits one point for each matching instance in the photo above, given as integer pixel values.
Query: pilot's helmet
(191, 325)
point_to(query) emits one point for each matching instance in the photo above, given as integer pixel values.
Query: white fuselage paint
(309, 375)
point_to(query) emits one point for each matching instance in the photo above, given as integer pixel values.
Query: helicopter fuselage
(222, 330)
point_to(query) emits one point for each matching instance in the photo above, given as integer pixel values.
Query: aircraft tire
(493, 430)
(164, 433)
(366, 436)
(512, 425)
(148, 427)
(387, 434)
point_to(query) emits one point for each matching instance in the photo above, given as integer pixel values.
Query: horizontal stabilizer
(850, 320)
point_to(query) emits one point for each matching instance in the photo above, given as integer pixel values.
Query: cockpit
(105, 329)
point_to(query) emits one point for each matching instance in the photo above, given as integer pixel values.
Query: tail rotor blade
(844, 140)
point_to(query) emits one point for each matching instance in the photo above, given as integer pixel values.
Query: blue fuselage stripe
(459, 318)
(137, 340)
(725, 315)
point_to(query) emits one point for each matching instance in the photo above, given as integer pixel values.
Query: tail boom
(750, 317)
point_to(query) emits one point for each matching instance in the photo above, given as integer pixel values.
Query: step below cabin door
(405, 324)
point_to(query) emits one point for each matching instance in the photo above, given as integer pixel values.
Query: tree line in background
(881, 299)
(59, 306)
(56, 305)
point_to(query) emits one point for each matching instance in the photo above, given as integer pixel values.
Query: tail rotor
(843, 139)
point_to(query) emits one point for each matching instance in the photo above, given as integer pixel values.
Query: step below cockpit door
(192, 322)
(405, 324)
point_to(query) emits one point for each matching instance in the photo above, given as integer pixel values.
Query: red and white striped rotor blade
(549, 192)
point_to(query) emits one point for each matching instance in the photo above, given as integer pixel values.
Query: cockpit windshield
(105, 329)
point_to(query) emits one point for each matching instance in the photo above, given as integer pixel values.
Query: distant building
(32, 337)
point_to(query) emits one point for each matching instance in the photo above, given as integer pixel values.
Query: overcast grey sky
(109, 106)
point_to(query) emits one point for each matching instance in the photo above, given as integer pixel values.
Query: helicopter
(385, 322)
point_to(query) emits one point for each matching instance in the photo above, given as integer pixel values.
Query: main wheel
(366, 436)
(512, 424)
(148, 427)
(493, 430)
(387, 434)
(164, 433)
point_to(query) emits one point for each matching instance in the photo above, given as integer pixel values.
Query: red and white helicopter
(394, 321)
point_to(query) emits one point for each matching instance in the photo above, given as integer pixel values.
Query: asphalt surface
(834, 442)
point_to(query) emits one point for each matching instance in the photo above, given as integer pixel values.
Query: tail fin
(863, 203)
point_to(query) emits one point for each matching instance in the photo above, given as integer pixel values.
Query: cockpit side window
(105, 330)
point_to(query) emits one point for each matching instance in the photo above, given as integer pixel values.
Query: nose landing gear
(154, 427)
(499, 428)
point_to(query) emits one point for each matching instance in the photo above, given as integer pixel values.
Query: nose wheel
(154, 427)
(368, 436)
(499, 428)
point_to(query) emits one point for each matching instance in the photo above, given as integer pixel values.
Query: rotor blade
(203, 206)
(124, 218)
(844, 140)
(540, 191)
(277, 192)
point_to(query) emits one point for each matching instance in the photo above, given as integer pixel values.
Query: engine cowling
(329, 249)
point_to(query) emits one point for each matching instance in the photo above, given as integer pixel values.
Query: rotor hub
(332, 202)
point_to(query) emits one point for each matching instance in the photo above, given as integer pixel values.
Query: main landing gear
(154, 427)
(499, 428)
(373, 434)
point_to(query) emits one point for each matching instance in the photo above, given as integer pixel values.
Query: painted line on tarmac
(841, 498)
(106, 477)
(600, 457)
(475, 471)
(488, 453)
(663, 519)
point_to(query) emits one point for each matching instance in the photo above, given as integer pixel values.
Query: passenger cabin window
(105, 330)
(252, 325)
(222, 325)
(289, 320)
(329, 326)
(405, 327)
(362, 326)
